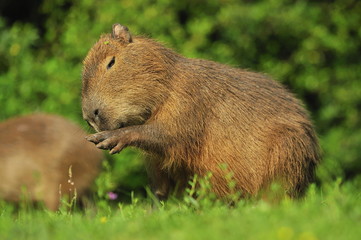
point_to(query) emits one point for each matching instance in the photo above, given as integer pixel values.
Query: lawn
(333, 212)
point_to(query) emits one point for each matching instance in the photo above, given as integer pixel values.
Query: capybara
(44, 157)
(190, 116)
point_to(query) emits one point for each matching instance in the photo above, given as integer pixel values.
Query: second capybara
(45, 157)
(191, 116)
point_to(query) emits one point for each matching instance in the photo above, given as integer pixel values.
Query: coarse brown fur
(36, 153)
(191, 115)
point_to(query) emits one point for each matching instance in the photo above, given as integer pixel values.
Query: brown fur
(191, 115)
(36, 152)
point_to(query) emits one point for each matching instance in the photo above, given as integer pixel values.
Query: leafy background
(313, 47)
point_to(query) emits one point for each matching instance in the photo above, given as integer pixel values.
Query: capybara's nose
(93, 118)
(96, 114)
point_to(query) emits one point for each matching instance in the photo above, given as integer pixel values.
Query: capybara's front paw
(107, 140)
(96, 138)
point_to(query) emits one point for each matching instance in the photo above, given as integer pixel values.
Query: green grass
(331, 213)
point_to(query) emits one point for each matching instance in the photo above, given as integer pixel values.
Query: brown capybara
(190, 116)
(44, 157)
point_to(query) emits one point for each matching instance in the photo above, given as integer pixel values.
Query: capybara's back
(44, 157)
(191, 116)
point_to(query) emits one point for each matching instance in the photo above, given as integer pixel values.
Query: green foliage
(123, 173)
(332, 214)
(311, 46)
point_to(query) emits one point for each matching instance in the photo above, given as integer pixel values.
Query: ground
(330, 213)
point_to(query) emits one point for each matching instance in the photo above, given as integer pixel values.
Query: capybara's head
(124, 80)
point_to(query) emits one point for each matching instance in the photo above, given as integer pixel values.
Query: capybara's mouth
(129, 123)
(121, 125)
(134, 120)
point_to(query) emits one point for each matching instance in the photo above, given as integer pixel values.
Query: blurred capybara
(190, 116)
(44, 157)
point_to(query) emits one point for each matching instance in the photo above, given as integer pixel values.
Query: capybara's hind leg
(293, 160)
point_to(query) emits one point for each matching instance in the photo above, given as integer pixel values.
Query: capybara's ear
(121, 33)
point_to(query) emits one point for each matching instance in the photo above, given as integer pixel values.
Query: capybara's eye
(111, 63)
